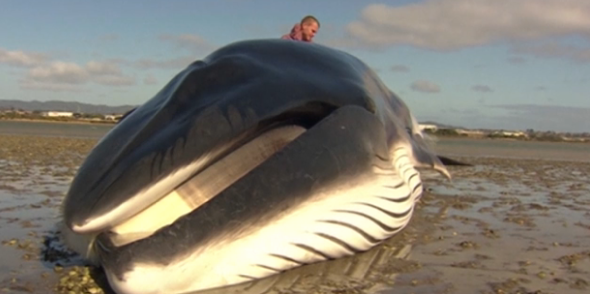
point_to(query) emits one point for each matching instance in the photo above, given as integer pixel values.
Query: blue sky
(511, 64)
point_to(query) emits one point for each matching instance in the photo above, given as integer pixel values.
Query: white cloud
(425, 86)
(21, 58)
(62, 76)
(454, 24)
(70, 76)
(50, 74)
(103, 68)
(59, 72)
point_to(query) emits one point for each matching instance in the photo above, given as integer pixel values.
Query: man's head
(309, 27)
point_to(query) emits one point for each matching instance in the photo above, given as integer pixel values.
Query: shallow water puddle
(29, 202)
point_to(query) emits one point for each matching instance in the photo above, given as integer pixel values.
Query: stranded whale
(264, 156)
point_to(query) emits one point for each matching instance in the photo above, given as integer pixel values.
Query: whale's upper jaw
(207, 110)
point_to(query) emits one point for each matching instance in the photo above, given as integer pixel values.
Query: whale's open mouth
(191, 184)
(198, 189)
(218, 173)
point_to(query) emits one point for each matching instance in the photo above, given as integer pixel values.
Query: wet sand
(504, 225)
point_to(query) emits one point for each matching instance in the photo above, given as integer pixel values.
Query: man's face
(308, 30)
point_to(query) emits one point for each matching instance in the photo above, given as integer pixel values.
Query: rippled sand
(500, 226)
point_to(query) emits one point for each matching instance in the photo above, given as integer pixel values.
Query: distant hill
(56, 105)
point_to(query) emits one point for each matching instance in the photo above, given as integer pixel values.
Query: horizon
(490, 64)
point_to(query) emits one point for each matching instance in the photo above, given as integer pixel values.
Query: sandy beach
(507, 224)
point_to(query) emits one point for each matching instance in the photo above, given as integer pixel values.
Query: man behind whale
(305, 30)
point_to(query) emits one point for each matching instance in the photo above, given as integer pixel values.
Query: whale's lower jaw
(342, 222)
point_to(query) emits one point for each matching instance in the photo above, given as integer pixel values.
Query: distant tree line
(38, 115)
(444, 132)
(528, 135)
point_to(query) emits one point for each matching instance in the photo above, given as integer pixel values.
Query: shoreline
(504, 139)
(436, 136)
(449, 138)
(34, 120)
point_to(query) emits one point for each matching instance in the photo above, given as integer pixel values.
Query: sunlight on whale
(265, 156)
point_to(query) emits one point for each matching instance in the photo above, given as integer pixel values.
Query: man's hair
(308, 19)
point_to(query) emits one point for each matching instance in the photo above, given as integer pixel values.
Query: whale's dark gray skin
(264, 156)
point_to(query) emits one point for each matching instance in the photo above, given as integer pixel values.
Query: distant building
(58, 114)
(428, 127)
(113, 116)
(513, 133)
(470, 132)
